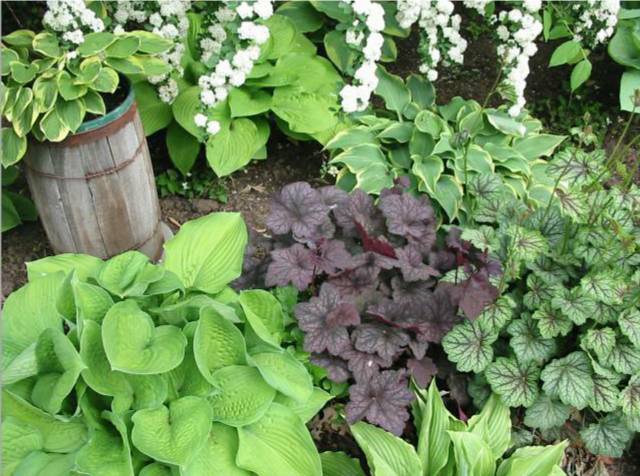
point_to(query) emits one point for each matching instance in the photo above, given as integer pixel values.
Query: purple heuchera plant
(374, 271)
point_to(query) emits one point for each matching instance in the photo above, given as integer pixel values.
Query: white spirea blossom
(72, 19)
(517, 31)
(229, 47)
(477, 5)
(440, 39)
(363, 33)
(165, 18)
(595, 22)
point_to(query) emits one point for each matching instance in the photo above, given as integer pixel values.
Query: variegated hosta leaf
(497, 314)
(601, 341)
(469, 345)
(630, 397)
(528, 344)
(515, 382)
(607, 437)
(569, 379)
(575, 305)
(546, 413)
(629, 323)
(552, 322)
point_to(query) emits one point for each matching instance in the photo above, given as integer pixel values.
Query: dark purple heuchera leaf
(376, 245)
(360, 209)
(363, 365)
(294, 265)
(374, 261)
(332, 256)
(383, 340)
(336, 367)
(403, 290)
(354, 282)
(422, 370)
(323, 319)
(411, 265)
(410, 217)
(299, 209)
(418, 348)
(255, 263)
(476, 293)
(334, 197)
(438, 315)
(382, 400)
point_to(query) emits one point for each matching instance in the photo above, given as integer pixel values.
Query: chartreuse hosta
(456, 153)
(447, 446)
(123, 367)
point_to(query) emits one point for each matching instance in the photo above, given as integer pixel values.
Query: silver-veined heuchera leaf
(607, 437)
(134, 345)
(207, 253)
(278, 443)
(546, 413)
(601, 287)
(527, 343)
(497, 314)
(624, 357)
(606, 395)
(469, 345)
(551, 322)
(601, 341)
(630, 397)
(629, 323)
(575, 305)
(569, 379)
(515, 382)
(172, 435)
(242, 396)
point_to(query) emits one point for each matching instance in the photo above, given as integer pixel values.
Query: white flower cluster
(441, 41)
(596, 21)
(364, 34)
(234, 24)
(477, 5)
(73, 19)
(165, 18)
(517, 31)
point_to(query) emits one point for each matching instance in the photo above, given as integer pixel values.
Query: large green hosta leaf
(387, 455)
(336, 463)
(264, 314)
(219, 450)
(242, 396)
(207, 253)
(128, 274)
(278, 444)
(134, 345)
(493, 425)
(534, 461)
(473, 455)
(84, 266)
(18, 440)
(305, 410)
(234, 146)
(283, 372)
(173, 435)
(368, 164)
(305, 112)
(569, 379)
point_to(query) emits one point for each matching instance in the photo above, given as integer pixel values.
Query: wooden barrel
(95, 191)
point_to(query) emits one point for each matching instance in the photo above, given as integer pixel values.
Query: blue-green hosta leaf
(601, 287)
(220, 449)
(85, 266)
(629, 323)
(469, 345)
(108, 452)
(497, 314)
(606, 395)
(27, 312)
(278, 443)
(433, 421)
(569, 379)
(18, 440)
(58, 436)
(624, 357)
(546, 413)
(306, 410)
(283, 372)
(386, 454)
(207, 253)
(534, 461)
(601, 341)
(493, 425)
(337, 463)
(630, 397)
(172, 435)
(528, 344)
(473, 455)
(217, 343)
(56, 365)
(515, 382)
(242, 396)
(607, 437)
(391, 88)
(574, 304)
(540, 291)
(264, 314)
(551, 322)
(134, 345)
(128, 274)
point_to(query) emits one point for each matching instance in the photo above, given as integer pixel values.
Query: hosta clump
(125, 367)
(565, 334)
(383, 288)
(455, 153)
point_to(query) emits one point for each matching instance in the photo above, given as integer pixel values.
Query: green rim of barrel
(111, 116)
